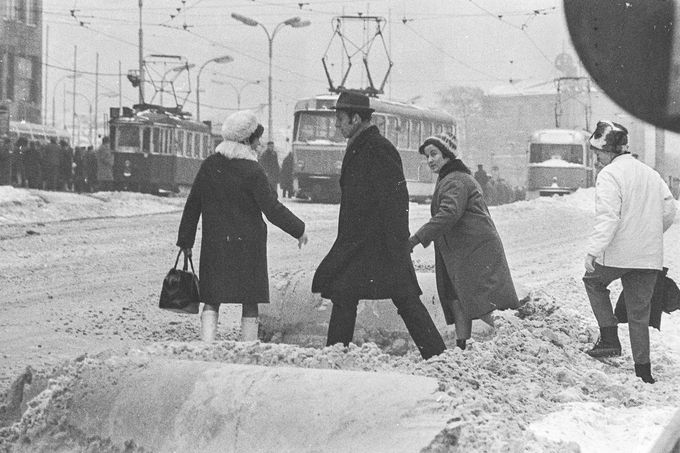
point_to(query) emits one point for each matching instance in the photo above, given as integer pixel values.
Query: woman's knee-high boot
(249, 327)
(208, 324)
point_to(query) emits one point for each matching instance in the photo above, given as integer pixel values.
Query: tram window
(179, 142)
(146, 140)
(540, 152)
(379, 121)
(440, 128)
(170, 141)
(391, 130)
(128, 135)
(157, 148)
(402, 133)
(415, 134)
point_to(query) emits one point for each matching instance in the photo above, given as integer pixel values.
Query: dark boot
(608, 344)
(644, 372)
(461, 344)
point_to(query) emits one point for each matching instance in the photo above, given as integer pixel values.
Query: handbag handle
(186, 260)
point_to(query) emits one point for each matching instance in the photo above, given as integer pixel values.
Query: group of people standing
(278, 174)
(370, 258)
(55, 165)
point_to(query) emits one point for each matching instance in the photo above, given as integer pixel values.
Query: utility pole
(47, 70)
(141, 56)
(73, 119)
(96, 98)
(120, 86)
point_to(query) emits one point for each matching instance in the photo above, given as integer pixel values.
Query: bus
(560, 162)
(157, 149)
(318, 148)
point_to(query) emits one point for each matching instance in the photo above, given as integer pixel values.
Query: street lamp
(222, 59)
(54, 92)
(238, 90)
(89, 103)
(294, 22)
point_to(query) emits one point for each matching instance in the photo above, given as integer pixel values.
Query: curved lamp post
(222, 59)
(238, 90)
(294, 22)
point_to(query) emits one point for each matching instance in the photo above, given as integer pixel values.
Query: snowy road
(69, 287)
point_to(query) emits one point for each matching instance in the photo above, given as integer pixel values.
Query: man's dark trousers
(418, 323)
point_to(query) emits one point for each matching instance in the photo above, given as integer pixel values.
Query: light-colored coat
(633, 208)
(470, 262)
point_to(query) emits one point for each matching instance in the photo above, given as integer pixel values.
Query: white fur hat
(239, 126)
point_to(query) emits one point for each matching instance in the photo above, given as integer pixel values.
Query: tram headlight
(300, 165)
(338, 164)
(127, 169)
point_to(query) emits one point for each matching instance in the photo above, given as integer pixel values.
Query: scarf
(451, 166)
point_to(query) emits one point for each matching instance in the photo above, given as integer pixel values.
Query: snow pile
(21, 206)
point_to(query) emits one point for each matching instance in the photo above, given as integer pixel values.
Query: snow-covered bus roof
(559, 136)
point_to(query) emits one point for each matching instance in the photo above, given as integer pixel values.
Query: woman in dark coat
(231, 191)
(473, 278)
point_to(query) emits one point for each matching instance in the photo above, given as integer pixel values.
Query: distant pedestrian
(5, 160)
(33, 165)
(90, 169)
(18, 167)
(370, 258)
(287, 176)
(104, 165)
(231, 192)
(79, 169)
(65, 166)
(51, 164)
(481, 176)
(473, 277)
(633, 208)
(270, 162)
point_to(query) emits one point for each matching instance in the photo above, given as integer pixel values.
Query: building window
(20, 10)
(23, 79)
(32, 12)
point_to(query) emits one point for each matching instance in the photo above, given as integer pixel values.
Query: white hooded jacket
(633, 208)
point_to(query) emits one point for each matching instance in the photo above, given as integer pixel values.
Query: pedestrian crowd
(55, 165)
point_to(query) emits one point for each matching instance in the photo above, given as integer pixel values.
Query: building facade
(21, 59)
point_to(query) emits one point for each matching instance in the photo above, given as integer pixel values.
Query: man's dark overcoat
(370, 258)
(231, 195)
(468, 251)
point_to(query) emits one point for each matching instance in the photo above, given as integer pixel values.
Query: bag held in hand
(180, 289)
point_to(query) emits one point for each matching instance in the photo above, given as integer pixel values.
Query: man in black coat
(270, 162)
(370, 258)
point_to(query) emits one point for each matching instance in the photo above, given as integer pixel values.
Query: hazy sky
(434, 44)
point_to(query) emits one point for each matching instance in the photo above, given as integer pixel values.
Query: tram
(318, 149)
(560, 162)
(157, 149)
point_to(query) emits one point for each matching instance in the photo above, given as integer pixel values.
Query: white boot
(249, 328)
(208, 325)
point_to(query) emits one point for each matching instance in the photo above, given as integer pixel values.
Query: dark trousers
(418, 323)
(638, 287)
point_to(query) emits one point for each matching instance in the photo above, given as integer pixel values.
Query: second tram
(318, 149)
(559, 162)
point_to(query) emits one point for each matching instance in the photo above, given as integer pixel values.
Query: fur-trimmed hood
(235, 150)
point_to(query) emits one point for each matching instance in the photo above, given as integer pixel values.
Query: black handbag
(180, 289)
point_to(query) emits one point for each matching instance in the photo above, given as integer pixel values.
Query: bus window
(402, 133)
(157, 148)
(146, 140)
(128, 135)
(317, 126)
(415, 134)
(391, 130)
(379, 121)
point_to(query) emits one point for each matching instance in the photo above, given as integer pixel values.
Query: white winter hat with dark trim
(445, 141)
(239, 126)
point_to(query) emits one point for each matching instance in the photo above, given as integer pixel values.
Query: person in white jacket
(634, 207)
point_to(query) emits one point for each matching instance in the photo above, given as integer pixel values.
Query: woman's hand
(186, 251)
(302, 240)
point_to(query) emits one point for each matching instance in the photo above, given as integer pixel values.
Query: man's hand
(302, 240)
(590, 263)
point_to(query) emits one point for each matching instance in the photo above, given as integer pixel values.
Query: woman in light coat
(231, 192)
(473, 278)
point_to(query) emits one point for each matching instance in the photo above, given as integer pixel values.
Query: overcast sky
(433, 44)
